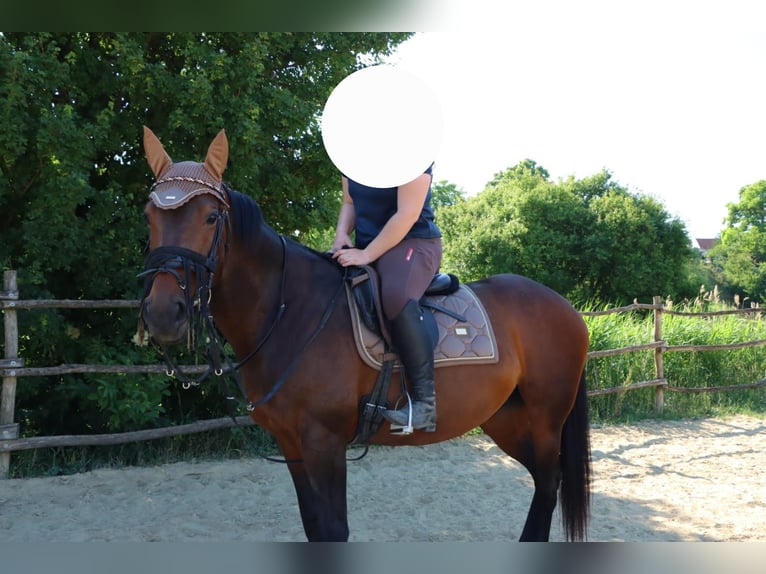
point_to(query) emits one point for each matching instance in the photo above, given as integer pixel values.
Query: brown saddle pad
(460, 343)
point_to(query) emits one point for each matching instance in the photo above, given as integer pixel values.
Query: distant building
(704, 245)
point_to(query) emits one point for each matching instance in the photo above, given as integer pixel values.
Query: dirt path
(654, 481)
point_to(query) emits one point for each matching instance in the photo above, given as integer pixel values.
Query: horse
(277, 304)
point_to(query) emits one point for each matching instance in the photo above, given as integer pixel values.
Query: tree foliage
(444, 194)
(635, 249)
(74, 179)
(587, 239)
(73, 106)
(741, 254)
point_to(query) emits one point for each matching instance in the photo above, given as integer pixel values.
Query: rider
(395, 231)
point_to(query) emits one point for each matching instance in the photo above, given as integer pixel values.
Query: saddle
(458, 323)
(364, 290)
(460, 328)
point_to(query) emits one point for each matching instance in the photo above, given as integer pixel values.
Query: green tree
(521, 223)
(524, 175)
(587, 239)
(444, 194)
(74, 179)
(741, 253)
(635, 250)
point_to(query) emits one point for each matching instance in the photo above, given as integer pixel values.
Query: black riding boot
(413, 344)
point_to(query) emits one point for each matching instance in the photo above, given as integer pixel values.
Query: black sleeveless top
(374, 206)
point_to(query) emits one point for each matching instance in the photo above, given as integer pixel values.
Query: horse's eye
(213, 217)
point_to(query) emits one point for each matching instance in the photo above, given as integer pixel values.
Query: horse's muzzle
(166, 318)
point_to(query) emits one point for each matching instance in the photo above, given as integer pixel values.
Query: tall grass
(682, 368)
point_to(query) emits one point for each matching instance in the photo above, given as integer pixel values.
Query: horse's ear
(156, 155)
(217, 156)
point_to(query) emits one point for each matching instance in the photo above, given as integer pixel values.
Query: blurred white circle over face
(382, 126)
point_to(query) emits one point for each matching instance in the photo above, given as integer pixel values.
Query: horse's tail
(575, 467)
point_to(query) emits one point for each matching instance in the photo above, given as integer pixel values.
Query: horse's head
(187, 213)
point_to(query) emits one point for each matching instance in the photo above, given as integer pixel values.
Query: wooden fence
(661, 347)
(12, 368)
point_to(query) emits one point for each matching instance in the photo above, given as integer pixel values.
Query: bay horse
(276, 303)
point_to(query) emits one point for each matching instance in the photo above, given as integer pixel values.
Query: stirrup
(397, 430)
(400, 430)
(408, 428)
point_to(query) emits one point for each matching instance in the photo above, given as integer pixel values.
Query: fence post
(659, 368)
(9, 430)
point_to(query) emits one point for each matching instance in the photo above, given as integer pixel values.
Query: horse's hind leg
(536, 446)
(320, 484)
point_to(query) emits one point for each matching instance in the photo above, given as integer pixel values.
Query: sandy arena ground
(702, 480)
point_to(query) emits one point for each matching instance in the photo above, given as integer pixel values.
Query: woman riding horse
(395, 230)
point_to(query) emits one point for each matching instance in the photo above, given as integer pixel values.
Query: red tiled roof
(706, 244)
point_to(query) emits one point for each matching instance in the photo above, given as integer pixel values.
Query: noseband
(171, 258)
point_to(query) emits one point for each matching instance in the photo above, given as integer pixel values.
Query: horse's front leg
(320, 483)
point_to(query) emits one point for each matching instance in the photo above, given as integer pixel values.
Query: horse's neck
(258, 278)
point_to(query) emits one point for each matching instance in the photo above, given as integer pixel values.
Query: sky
(670, 97)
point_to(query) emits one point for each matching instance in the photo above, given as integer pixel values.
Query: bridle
(171, 258)
(182, 263)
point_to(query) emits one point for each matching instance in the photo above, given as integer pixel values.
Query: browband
(164, 200)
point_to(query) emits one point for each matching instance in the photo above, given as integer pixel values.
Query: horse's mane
(248, 224)
(247, 218)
